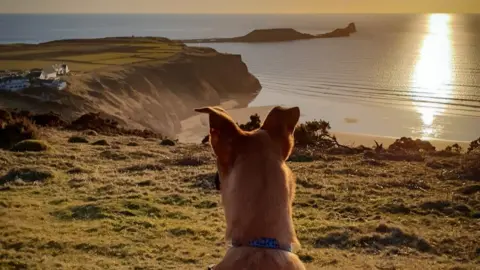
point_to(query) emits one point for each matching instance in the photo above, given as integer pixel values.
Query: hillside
(135, 204)
(142, 83)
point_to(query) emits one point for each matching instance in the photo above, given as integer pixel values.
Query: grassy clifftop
(131, 203)
(87, 54)
(151, 83)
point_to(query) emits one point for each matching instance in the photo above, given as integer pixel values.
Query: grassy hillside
(143, 83)
(134, 204)
(88, 54)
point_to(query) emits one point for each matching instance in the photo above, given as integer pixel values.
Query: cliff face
(156, 95)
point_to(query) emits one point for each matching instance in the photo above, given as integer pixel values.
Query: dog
(257, 190)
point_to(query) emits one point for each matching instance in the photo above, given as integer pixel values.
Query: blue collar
(264, 242)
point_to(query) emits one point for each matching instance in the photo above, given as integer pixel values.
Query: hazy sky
(238, 6)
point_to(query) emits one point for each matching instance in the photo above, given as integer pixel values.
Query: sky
(239, 6)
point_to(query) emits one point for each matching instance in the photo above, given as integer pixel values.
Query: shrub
(77, 139)
(470, 165)
(167, 142)
(93, 121)
(48, 120)
(253, 124)
(474, 145)
(314, 133)
(17, 131)
(30, 146)
(27, 175)
(408, 144)
(455, 148)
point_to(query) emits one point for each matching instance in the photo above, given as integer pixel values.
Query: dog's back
(257, 189)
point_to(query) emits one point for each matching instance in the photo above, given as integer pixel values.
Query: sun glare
(433, 72)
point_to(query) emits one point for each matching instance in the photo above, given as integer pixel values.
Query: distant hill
(277, 35)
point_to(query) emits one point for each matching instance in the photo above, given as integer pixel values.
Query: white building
(14, 84)
(61, 69)
(48, 73)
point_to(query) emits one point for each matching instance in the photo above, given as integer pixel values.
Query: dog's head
(229, 141)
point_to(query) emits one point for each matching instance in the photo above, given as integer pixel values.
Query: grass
(86, 55)
(155, 207)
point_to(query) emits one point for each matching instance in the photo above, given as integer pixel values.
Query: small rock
(77, 139)
(101, 142)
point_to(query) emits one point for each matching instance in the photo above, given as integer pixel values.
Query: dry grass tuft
(27, 174)
(31, 146)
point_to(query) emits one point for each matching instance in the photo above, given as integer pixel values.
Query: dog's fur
(257, 187)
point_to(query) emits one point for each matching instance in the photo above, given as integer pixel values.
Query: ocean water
(400, 75)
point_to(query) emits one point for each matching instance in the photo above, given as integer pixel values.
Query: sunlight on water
(433, 72)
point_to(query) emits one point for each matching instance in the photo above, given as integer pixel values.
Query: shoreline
(195, 128)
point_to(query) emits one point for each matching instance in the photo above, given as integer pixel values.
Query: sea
(414, 75)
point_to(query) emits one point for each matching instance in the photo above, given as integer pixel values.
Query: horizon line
(253, 13)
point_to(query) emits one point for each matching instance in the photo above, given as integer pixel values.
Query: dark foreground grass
(80, 206)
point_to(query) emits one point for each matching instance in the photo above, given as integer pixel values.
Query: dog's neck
(257, 199)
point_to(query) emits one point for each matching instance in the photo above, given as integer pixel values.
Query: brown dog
(257, 189)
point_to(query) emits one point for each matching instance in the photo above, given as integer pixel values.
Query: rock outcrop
(340, 32)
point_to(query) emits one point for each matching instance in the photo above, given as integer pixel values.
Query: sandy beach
(195, 128)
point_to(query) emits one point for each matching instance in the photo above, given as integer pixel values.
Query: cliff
(276, 35)
(154, 94)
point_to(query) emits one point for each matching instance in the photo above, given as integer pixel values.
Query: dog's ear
(280, 125)
(223, 133)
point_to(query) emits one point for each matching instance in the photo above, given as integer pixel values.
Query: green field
(86, 55)
(137, 205)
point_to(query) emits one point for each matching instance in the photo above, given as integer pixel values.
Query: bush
(253, 124)
(474, 145)
(27, 175)
(314, 133)
(167, 142)
(408, 144)
(17, 131)
(93, 121)
(30, 146)
(77, 139)
(455, 148)
(48, 120)
(470, 165)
